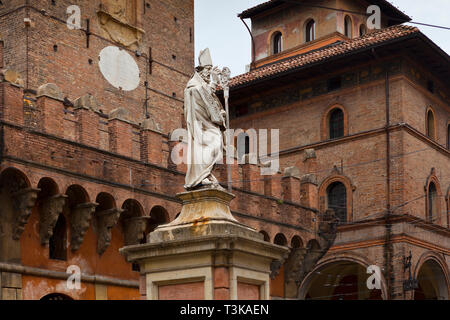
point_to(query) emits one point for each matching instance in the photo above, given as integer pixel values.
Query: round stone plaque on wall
(119, 68)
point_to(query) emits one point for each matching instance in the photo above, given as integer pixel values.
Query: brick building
(364, 118)
(86, 116)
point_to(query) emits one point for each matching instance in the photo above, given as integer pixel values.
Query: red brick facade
(67, 132)
(387, 202)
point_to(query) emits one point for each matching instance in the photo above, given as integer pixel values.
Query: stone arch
(133, 208)
(296, 242)
(313, 244)
(77, 194)
(265, 235)
(133, 222)
(158, 216)
(349, 187)
(336, 260)
(105, 201)
(280, 239)
(48, 187)
(17, 199)
(325, 134)
(17, 177)
(442, 280)
(433, 180)
(277, 284)
(56, 296)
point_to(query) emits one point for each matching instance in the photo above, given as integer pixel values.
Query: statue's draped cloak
(205, 142)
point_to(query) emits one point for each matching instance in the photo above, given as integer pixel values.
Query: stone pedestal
(206, 254)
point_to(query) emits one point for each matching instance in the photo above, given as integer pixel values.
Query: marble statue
(205, 120)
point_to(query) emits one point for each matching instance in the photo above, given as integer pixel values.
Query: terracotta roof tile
(338, 49)
(261, 6)
(386, 5)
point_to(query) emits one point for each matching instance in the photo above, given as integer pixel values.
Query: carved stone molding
(309, 154)
(13, 77)
(51, 208)
(106, 220)
(291, 172)
(50, 90)
(79, 223)
(87, 102)
(303, 260)
(23, 201)
(275, 267)
(119, 30)
(121, 114)
(134, 229)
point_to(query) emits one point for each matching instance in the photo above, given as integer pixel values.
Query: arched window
(336, 124)
(310, 31)
(337, 200)
(432, 202)
(277, 43)
(58, 241)
(348, 27)
(362, 30)
(431, 128)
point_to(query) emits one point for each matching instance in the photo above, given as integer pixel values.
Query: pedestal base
(205, 254)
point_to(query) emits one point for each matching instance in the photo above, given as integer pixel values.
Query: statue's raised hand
(215, 74)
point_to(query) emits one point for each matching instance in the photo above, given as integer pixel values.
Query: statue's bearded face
(205, 73)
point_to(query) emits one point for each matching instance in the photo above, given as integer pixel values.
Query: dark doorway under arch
(432, 282)
(342, 280)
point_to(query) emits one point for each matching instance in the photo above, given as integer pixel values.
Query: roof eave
(331, 59)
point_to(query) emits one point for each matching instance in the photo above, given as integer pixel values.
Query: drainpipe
(252, 65)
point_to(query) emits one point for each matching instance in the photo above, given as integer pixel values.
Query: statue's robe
(205, 142)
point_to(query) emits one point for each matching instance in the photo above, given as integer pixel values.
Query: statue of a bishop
(205, 120)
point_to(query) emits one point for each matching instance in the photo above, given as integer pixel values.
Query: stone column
(206, 254)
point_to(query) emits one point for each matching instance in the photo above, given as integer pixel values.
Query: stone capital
(134, 229)
(23, 201)
(50, 90)
(106, 220)
(80, 219)
(51, 208)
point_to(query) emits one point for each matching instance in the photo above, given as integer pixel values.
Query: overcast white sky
(218, 27)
